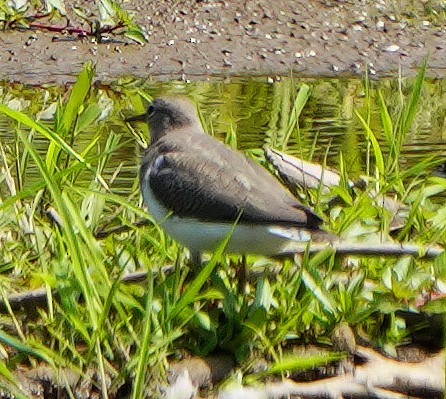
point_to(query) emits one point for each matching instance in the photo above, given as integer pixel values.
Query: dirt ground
(197, 39)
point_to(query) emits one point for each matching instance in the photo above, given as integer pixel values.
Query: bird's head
(167, 114)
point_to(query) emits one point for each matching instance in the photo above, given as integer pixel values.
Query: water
(247, 113)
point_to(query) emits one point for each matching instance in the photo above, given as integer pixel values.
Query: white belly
(202, 236)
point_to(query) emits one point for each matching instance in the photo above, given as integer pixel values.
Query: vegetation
(62, 190)
(104, 18)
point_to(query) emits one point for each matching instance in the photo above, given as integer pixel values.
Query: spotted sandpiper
(195, 187)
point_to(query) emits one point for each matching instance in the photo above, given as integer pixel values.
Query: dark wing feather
(228, 183)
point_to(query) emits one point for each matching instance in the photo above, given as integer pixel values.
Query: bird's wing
(227, 183)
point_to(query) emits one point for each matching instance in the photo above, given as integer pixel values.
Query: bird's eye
(150, 110)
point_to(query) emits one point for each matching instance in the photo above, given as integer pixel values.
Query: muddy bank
(201, 39)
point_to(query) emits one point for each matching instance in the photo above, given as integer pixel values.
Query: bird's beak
(142, 117)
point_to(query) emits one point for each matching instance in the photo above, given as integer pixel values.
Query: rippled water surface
(248, 114)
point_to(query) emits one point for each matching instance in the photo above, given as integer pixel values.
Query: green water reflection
(247, 113)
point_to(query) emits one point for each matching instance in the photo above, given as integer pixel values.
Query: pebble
(311, 53)
(392, 48)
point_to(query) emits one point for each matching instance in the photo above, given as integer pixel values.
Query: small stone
(335, 68)
(392, 48)
(343, 338)
(425, 23)
(193, 40)
(298, 55)
(171, 42)
(268, 36)
(270, 80)
(380, 25)
(312, 53)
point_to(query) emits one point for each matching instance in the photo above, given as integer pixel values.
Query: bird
(197, 188)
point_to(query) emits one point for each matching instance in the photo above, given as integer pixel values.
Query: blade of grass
(24, 348)
(379, 160)
(386, 121)
(40, 128)
(409, 111)
(315, 283)
(80, 269)
(13, 387)
(76, 100)
(299, 103)
(305, 362)
(144, 349)
(48, 134)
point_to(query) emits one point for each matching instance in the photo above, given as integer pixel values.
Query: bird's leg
(195, 257)
(242, 274)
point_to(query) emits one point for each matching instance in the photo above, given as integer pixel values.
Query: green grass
(127, 332)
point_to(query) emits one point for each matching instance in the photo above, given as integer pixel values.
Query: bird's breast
(155, 207)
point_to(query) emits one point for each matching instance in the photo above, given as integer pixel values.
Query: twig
(33, 299)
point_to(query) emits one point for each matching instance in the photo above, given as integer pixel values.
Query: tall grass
(126, 332)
